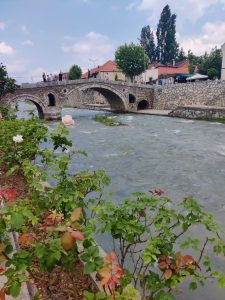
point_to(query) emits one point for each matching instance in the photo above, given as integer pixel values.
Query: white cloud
(188, 9)
(6, 49)
(2, 26)
(92, 46)
(132, 5)
(212, 35)
(17, 66)
(24, 29)
(93, 42)
(36, 74)
(28, 43)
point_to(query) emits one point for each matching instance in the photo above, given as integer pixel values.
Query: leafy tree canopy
(7, 84)
(131, 59)
(212, 60)
(212, 73)
(205, 62)
(74, 72)
(181, 55)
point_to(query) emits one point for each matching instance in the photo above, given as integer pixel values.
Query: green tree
(212, 73)
(148, 43)
(181, 55)
(74, 72)
(131, 59)
(212, 60)
(194, 61)
(167, 46)
(7, 84)
(205, 62)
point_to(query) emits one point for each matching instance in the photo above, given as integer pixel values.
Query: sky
(49, 36)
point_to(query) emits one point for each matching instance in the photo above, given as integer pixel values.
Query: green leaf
(8, 249)
(15, 288)
(89, 268)
(217, 249)
(221, 281)
(17, 221)
(193, 285)
(12, 170)
(164, 296)
(88, 295)
(40, 251)
(100, 296)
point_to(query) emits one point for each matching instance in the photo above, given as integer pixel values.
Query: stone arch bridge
(51, 97)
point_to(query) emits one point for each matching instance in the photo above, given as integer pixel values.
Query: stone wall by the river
(209, 93)
(198, 112)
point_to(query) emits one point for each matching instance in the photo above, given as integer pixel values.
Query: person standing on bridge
(60, 76)
(44, 77)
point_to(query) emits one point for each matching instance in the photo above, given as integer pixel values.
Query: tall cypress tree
(148, 43)
(167, 48)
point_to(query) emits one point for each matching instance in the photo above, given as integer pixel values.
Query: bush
(212, 73)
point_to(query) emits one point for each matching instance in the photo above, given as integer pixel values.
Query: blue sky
(52, 35)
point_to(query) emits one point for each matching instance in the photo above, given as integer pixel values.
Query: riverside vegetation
(56, 224)
(109, 121)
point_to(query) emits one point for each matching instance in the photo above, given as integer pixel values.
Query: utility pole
(93, 61)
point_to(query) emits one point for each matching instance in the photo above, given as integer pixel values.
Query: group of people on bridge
(49, 78)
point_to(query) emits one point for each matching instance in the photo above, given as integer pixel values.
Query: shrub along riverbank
(56, 225)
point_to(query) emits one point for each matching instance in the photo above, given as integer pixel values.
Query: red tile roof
(109, 66)
(177, 65)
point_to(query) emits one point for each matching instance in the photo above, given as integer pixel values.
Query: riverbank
(154, 112)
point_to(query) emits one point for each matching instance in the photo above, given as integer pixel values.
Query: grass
(219, 120)
(108, 121)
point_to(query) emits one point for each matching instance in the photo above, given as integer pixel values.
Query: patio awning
(197, 77)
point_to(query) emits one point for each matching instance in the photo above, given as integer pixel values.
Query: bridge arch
(143, 104)
(115, 98)
(35, 100)
(132, 98)
(51, 99)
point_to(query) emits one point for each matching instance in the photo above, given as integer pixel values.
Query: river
(181, 157)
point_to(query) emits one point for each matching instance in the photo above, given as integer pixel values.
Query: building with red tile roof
(108, 71)
(171, 70)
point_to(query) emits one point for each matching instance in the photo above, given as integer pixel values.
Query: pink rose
(67, 120)
(77, 235)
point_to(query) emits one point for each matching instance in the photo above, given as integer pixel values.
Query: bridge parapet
(83, 81)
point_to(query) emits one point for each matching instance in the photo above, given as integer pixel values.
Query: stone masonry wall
(190, 112)
(208, 93)
(81, 99)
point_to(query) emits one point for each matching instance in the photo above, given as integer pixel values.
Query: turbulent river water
(181, 157)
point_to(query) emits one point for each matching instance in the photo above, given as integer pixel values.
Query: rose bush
(153, 246)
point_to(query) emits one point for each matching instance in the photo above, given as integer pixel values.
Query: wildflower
(18, 138)
(67, 120)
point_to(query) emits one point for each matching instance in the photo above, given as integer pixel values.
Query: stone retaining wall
(201, 112)
(207, 93)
